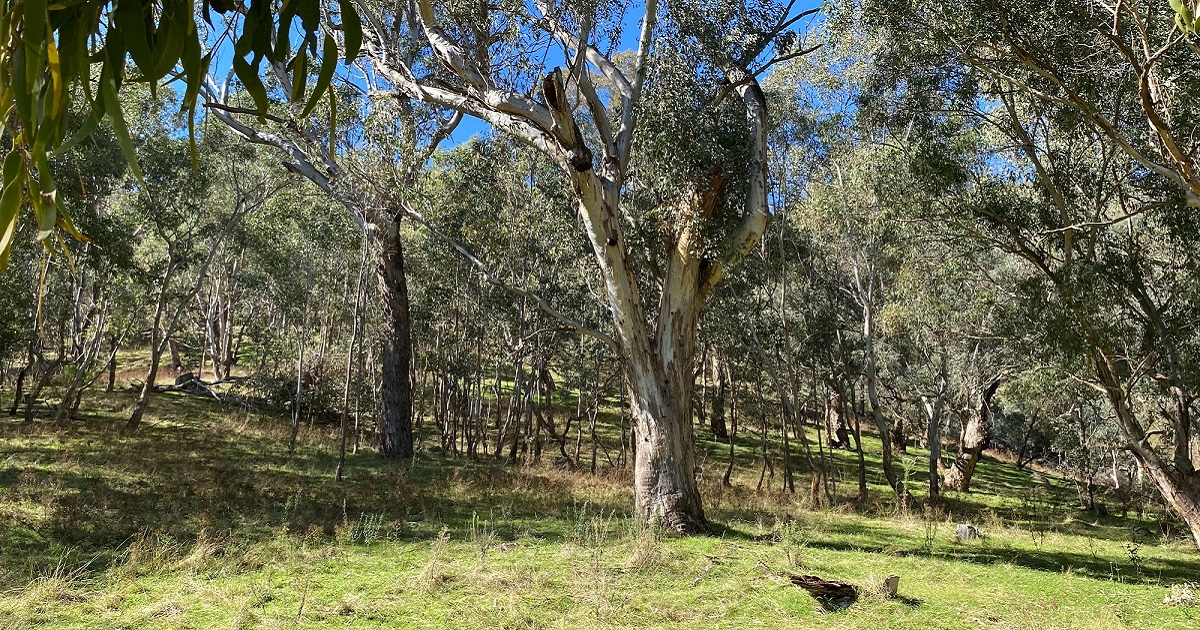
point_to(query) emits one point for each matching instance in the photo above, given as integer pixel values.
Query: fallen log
(830, 595)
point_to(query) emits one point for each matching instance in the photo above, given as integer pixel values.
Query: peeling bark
(836, 435)
(973, 438)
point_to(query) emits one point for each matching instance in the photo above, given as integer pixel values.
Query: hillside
(203, 519)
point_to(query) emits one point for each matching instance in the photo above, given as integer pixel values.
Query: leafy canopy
(52, 51)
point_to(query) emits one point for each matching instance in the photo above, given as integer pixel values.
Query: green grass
(202, 519)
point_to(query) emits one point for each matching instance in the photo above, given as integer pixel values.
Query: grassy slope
(204, 520)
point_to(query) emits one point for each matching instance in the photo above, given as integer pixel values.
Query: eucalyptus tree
(950, 303)
(69, 300)
(1079, 430)
(188, 214)
(384, 147)
(99, 276)
(587, 122)
(288, 272)
(510, 204)
(1123, 69)
(1089, 205)
(16, 310)
(852, 213)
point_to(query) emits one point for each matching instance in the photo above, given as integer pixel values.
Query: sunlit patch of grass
(203, 519)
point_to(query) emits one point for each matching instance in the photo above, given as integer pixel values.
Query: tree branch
(487, 274)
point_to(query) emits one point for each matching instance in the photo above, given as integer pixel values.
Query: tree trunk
(664, 477)
(935, 456)
(733, 431)
(39, 385)
(889, 469)
(395, 426)
(156, 349)
(298, 399)
(1181, 491)
(112, 363)
(899, 436)
(19, 395)
(973, 438)
(1195, 448)
(176, 359)
(933, 414)
(355, 327)
(1178, 482)
(858, 447)
(836, 435)
(720, 376)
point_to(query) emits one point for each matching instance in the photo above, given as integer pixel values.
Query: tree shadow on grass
(99, 489)
(198, 473)
(865, 538)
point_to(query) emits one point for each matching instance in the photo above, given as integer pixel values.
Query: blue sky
(471, 126)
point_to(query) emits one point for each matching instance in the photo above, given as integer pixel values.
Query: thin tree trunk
(112, 363)
(18, 395)
(20, 391)
(762, 413)
(881, 423)
(298, 400)
(595, 411)
(933, 414)
(733, 430)
(350, 353)
(156, 347)
(42, 381)
(720, 375)
(176, 360)
(858, 448)
(835, 421)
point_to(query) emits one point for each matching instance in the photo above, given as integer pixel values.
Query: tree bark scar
(550, 89)
(581, 159)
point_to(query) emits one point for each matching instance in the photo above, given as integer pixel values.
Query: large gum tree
(490, 61)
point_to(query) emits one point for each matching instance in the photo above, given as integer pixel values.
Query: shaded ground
(203, 519)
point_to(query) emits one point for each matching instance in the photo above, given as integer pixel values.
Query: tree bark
(933, 414)
(1178, 481)
(395, 425)
(973, 438)
(176, 360)
(664, 478)
(836, 435)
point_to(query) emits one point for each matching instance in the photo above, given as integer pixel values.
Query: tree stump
(890, 587)
(964, 533)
